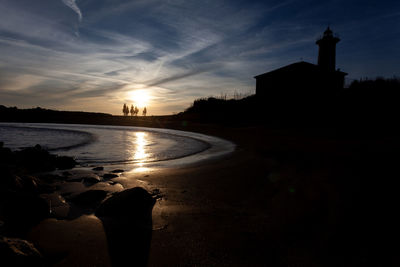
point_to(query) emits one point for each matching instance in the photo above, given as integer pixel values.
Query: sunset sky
(96, 55)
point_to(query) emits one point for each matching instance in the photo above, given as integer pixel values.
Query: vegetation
(134, 111)
(12, 114)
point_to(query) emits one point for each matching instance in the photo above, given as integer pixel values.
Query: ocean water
(94, 145)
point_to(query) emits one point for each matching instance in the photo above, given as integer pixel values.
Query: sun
(140, 98)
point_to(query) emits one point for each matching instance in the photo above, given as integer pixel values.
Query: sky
(96, 55)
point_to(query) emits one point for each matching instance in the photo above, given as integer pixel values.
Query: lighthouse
(304, 82)
(327, 50)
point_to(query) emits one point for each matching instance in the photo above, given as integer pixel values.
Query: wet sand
(283, 198)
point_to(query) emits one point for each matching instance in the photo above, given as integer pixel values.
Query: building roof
(297, 67)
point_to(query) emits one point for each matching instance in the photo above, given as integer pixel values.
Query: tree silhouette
(136, 111)
(144, 111)
(125, 110)
(132, 110)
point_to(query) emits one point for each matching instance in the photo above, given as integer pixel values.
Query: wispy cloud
(176, 50)
(72, 4)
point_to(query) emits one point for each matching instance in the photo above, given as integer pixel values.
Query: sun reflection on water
(139, 155)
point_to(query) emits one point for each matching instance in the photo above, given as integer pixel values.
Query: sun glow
(140, 98)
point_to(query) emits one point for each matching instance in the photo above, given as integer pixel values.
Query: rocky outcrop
(21, 206)
(19, 252)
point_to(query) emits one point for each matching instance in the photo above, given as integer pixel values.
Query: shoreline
(212, 147)
(281, 198)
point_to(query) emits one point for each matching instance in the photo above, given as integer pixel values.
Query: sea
(95, 145)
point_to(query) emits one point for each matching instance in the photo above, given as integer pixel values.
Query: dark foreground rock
(21, 206)
(36, 159)
(98, 169)
(127, 221)
(117, 171)
(19, 252)
(21, 211)
(134, 203)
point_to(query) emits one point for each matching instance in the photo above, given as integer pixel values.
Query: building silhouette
(303, 80)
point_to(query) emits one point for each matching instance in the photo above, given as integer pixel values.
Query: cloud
(72, 4)
(177, 50)
(172, 78)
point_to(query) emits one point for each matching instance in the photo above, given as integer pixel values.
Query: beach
(284, 197)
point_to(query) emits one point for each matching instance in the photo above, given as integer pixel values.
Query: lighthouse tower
(327, 50)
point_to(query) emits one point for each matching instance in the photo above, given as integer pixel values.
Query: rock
(90, 181)
(6, 155)
(87, 179)
(59, 208)
(21, 211)
(10, 181)
(109, 176)
(64, 162)
(98, 169)
(66, 173)
(131, 203)
(127, 222)
(117, 171)
(30, 183)
(19, 252)
(90, 198)
(35, 159)
(155, 192)
(50, 178)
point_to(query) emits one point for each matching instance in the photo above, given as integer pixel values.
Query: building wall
(299, 84)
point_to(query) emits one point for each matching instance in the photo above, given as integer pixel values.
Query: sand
(283, 198)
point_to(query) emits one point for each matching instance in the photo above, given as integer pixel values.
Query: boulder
(127, 221)
(50, 178)
(109, 176)
(35, 159)
(87, 179)
(117, 171)
(64, 162)
(98, 169)
(6, 155)
(90, 198)
(10, 181)
(131, 203)
(21, 211)
(19, 252)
